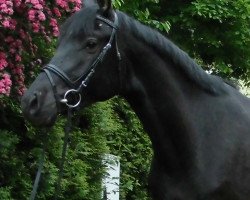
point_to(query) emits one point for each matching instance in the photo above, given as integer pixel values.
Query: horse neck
(157, 92)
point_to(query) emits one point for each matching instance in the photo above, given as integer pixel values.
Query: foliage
(141, 10)
(125, 138)
(20, 153)
(22, 25)
(217, 32)
(116, 131)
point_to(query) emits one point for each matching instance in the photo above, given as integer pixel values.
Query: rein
(67, 131)
(84, 79)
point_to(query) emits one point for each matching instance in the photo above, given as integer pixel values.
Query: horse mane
(210, 83)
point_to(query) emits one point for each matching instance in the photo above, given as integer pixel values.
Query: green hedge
(109, 127)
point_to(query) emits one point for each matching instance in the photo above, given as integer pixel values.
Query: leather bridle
(85, 78)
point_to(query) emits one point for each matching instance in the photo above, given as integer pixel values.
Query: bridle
(85, 78)
(75, 90)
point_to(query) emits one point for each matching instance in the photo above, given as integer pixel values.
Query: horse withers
(198, 124)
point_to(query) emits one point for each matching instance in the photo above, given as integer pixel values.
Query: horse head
(84, 68)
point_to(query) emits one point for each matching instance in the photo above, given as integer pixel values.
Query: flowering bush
(20, 22)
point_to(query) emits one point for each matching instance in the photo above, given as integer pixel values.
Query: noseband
(85, 78)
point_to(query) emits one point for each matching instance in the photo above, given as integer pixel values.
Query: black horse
(198, 124)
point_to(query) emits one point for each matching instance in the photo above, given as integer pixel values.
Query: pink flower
(7, 7)
(13, 24)
(9, 3)
(38, 6)
(3, 7)
(57, 12)
(76, 9)
(36, 27)
(7, 80)
(9, 11)
(54, 25)
(41, 16)
(2, 84)
(53, 22)
(3, 91)
(5, 84)
(56, 32)
(62, 4)
(6, 23)
(34, 2)
(18, 58)
(3, 62)
(32, 15)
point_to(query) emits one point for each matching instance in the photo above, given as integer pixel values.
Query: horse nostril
(34, 104)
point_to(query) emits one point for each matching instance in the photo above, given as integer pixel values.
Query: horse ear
(87, 3)
(105, 6)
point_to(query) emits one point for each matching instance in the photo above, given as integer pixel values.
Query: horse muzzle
(35, 111)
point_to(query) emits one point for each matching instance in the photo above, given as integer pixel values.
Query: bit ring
(65, 100)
